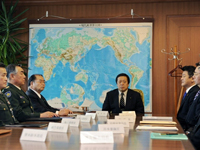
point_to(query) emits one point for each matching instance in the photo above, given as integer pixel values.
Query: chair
(141, 93)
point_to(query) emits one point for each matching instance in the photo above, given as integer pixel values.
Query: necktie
(196, 95)
(184, 95)
(122, 101)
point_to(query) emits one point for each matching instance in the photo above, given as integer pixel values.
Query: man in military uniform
(21, 104)
(6, 113)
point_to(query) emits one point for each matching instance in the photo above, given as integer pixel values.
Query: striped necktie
(196, 95)
(122, 101)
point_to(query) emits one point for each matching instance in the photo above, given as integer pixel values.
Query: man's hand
(47, 114)
(64, 112)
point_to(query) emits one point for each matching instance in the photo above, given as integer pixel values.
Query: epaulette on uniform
(6, 87)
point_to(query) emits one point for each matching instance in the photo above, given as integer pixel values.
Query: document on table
(157, 118)
(158, 122)
(159, 128)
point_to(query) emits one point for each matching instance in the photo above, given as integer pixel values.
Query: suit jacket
(39, 104)
(185, 105)
(194, 136)
(193, 113)
(133, 102)
(6, 116)
(21, 104)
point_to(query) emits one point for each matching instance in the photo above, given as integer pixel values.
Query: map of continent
(81, 61)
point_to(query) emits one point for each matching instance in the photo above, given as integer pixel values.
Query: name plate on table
(110, 127)
(96, 137)
(71, 122)
(97, 146)
(57, 127)
(129, 118)
(102, 113)
(93, 115)
(33, 135)
(125, 123)
(128, 113)
(84, 118)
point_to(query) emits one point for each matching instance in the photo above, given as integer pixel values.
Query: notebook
(54, 119)
(27, 125)
(180, 136)
(5, 131)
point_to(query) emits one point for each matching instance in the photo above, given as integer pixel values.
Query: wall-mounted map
(81, 61)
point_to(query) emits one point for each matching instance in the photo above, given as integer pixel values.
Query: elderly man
(21, 104)
(36, 85)
(123, 99)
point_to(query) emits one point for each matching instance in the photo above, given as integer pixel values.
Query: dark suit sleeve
(38, 105)
(194, 136)
(20, 113)
(139, 108)
(106, 105)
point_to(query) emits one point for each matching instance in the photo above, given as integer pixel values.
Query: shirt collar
(125, 92)
(17, 87)
(189, 88)
(38, 94)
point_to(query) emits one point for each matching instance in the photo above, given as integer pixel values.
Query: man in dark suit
(6, 112)
(123, 99)
(187, 81)
(194, 111)
(194, 135)
(36, 85)
(21, 104)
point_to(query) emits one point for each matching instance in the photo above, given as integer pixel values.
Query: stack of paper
(158, 122)
(157, 128)
(157, 118)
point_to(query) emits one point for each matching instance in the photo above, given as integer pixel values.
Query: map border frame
(91, 21)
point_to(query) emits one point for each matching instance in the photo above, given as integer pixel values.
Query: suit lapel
(40, 100)
(116, 98)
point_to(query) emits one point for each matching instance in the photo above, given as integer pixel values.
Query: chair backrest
(141, 93)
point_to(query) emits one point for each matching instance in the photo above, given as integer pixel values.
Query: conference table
(131, 139)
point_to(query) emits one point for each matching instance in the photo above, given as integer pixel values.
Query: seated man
(6, 113)
(123, 99)
(36, 85)
(194, 135)
(187, 81)
(21, 104)
(193, 114)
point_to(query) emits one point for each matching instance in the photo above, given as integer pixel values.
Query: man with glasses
(194, 111)
(21, 104)
(36, 85)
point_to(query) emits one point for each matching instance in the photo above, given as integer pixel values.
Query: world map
(81, 61)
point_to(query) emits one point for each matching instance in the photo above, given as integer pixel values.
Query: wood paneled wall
(161, 11)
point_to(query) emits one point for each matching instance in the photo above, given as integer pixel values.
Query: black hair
(32, 78)
(198, 64)
(2, 65)
(123, 74)
(189, 69)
